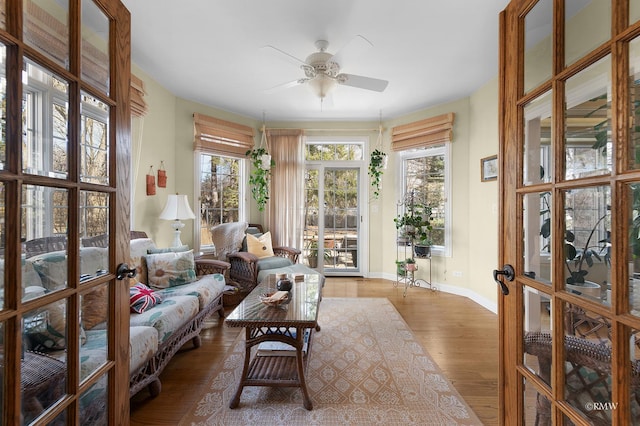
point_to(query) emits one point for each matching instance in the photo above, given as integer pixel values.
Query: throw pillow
(47, 329)
(94, 307)
(142, 298)
(260, 246)
(137, 250)
(170, 269)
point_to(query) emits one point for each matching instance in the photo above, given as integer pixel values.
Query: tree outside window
(221, 199)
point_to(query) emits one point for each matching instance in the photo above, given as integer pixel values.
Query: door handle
(123, 271)
(509, 273)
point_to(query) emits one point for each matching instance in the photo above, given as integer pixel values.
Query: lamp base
(177, 226)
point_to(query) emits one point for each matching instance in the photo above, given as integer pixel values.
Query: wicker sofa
(179, 318)
(155, 334)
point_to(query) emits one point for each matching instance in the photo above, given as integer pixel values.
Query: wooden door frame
(120, 171)
(117, 190)
(510, 227)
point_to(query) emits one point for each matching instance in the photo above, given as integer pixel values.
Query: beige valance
(423, 133)
(220, 136)
(138, 105)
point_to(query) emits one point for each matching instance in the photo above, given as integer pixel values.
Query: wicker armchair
(245, 266)
(587, 376)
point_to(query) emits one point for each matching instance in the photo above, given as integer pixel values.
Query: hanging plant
(259, 178)
(376, 166)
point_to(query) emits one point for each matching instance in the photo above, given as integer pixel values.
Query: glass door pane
(332, 220)
(95, 46)
(46, 28)
(341, 224)
(538, 57)
(587, 25)
(588, 121)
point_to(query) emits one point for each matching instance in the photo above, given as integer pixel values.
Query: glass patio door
(332, 220)
(570, 212)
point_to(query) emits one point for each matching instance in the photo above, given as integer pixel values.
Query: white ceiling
(212, 52)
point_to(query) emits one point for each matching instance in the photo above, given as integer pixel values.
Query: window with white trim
(221, 193)
(426, 173)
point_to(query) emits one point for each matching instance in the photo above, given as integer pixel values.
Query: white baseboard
(460, 291)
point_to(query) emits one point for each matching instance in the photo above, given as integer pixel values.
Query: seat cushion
(168, 316)
(206, 289)
(273, 262)
(143, 344)
(298, 268)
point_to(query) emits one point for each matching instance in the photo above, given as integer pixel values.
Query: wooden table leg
(301, 377)
(245, 369)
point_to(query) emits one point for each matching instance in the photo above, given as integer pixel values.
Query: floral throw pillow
(142, 298)
(170, 269)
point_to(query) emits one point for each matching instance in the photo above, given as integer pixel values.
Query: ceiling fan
(322, 69)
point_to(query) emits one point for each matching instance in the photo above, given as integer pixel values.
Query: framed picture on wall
(489, 168)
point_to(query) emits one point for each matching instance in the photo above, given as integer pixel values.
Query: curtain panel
(424, 133)
(284, 214)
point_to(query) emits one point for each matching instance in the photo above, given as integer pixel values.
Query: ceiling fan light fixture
(322, 84)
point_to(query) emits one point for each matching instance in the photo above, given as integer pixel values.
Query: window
(221, 195)
(425, 172)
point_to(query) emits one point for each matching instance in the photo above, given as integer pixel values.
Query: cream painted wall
(153, 141)
(483, 196)
(166, 133)
(442, 268)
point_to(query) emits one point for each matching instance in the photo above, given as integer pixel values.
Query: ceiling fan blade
(352, 49)
(361, 82)
(285, 55)
(286, 85)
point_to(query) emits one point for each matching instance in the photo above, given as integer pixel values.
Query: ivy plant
(259, 177)
(376, 165)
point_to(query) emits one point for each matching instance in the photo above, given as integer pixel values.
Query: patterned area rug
(366, 368)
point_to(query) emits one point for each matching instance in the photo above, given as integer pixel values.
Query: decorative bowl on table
(275, 299)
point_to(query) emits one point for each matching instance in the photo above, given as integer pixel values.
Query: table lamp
(177, 209)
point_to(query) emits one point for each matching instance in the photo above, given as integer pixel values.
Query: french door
(64, 203)
(333, 231)
(570, 209)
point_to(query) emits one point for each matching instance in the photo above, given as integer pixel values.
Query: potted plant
(259, 177)
(311, 254)
(415, 222)
(376, 165)
(422, 248)
(400, 268)
(410, 264)
(578, 261)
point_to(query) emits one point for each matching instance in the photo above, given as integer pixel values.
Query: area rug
(366, 368)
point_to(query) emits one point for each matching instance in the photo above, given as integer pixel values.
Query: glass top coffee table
(292, 322)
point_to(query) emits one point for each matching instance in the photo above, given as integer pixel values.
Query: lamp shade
(177, 208)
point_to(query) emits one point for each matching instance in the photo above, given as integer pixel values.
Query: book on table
(275, 348)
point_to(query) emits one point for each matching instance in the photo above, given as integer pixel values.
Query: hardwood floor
(460, 335)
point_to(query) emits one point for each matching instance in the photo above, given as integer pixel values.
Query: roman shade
(221, 137)
(138, 105)
(423, 133)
